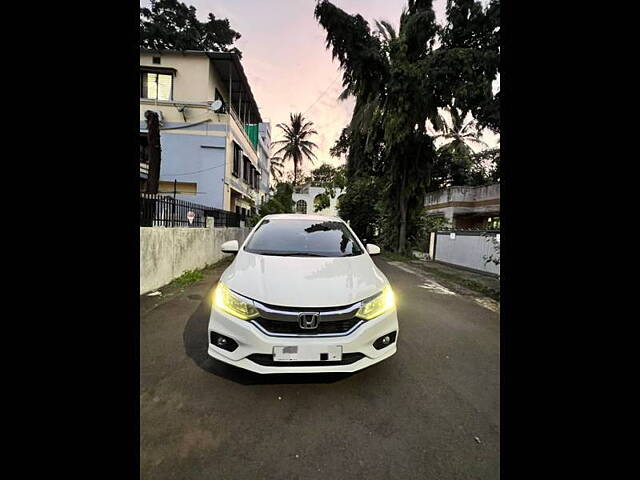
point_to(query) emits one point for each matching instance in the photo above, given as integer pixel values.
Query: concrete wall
(463, 194)
(166, 253)
(466, 250)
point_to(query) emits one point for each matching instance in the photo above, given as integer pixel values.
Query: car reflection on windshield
(303, 238)
(329, 226)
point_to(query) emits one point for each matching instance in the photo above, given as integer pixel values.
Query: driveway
(432, 411)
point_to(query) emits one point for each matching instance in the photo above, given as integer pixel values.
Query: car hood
(304, 281)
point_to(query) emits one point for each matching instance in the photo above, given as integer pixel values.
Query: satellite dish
(215, 106)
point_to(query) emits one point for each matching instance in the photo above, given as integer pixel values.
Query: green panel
(252, 133)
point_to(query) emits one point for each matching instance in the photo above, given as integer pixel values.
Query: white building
(466, 207)
(305, 198)
(215, 157)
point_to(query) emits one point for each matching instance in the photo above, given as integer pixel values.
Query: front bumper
(253, 342)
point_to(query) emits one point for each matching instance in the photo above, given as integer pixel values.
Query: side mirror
(373, 249)
(230, 247)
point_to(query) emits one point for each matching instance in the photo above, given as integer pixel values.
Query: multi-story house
(466, 207)
(212, 153)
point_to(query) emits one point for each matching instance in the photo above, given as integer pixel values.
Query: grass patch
(187, 278)
(396, 256)
(450, 279)
(192, 276)
(468, 283)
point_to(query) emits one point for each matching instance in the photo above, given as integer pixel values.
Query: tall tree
(296, 144)
(171, 25)
(399, 80)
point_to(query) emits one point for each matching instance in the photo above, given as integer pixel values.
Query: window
(254, 178)
(237, 158)
(245, 170)
(156, 86)
(301, 206)
(156, 60)
(314, 238)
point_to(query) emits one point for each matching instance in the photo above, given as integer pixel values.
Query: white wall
(467, 249)
(166, 253)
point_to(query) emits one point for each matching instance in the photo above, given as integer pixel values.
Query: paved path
(429, 412)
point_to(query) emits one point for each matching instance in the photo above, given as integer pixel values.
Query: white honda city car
(302, 295)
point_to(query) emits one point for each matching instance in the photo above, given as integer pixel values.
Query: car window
(312, 238)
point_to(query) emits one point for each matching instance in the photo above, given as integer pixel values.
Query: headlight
(378, 305)
(229, 302)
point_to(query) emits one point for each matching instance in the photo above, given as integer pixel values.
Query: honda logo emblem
(308, 321)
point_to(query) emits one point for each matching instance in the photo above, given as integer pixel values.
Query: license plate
(308, 353)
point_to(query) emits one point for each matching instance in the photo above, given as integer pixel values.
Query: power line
(322, 94)
(191, 173)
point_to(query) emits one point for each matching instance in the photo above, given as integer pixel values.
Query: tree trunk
(153, 134)
(402, 236)
(295, 173)
(403, 201)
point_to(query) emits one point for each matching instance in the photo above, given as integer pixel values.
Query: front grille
(293, 328)
(267, 361)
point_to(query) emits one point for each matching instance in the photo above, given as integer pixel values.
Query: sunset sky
(286, 62)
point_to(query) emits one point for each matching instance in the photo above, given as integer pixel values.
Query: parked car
(302, 295)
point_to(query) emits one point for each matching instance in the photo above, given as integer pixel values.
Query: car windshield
(304, 238)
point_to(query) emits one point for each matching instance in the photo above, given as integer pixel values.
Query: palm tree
(460, 135)
(277, 167)
(296, 145)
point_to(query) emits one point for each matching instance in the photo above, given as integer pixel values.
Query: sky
(288, 66)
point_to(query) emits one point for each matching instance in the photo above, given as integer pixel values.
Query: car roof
(302, 216)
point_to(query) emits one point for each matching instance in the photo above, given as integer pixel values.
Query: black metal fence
(165, 211)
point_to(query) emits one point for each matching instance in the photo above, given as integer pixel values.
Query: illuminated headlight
(381, 303)
(227, 301)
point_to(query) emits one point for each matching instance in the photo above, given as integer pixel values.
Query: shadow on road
(196, 344)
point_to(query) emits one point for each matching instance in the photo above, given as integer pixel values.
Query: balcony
(455, 203)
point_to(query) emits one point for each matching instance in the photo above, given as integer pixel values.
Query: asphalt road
(432, 411)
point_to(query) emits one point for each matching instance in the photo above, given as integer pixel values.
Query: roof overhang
(228, 66)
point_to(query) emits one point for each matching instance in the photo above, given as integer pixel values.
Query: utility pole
(153, 135)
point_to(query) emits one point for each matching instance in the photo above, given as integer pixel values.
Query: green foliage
(400, 80)
(321, 202)
(331, 179)
(359, 205)
(425, 224)
(494, 257)
(280, 202)
(171, 25)
(296, 144)
(187, 278)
